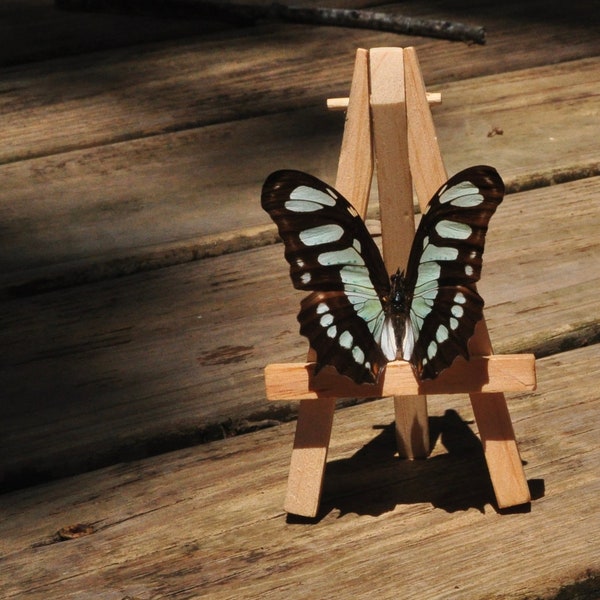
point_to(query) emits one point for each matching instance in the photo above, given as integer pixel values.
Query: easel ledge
(495, 373)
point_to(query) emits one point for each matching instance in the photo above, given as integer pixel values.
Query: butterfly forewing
(332, 254)
(444, 265)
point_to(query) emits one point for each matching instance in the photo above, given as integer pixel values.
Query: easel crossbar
(484, 374)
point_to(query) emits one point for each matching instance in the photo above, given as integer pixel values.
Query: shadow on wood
(374, 481)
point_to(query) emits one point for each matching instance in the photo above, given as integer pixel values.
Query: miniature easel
(388, 119)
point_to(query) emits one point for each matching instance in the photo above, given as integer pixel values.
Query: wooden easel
(389, 123)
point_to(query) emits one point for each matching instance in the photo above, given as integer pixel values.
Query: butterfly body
(397, 306)
(357, 317)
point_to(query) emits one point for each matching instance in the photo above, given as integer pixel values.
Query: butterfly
(357, 318)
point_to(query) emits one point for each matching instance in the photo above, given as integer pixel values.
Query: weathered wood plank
(68, 104)
(208, 521)
(144, 363)
(35, 30)
(150, 200)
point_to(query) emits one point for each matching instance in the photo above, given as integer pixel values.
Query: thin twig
(249, 13)
(367, 19)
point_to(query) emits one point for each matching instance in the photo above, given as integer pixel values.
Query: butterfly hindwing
(342, 338)
(331, 254)
(444, 266)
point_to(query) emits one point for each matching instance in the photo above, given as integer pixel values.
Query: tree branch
(249, 13)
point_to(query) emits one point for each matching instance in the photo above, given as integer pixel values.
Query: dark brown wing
(444, 265)
(331, 254)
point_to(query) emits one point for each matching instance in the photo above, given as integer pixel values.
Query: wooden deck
(138, 312)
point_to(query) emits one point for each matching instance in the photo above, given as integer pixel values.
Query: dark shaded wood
(154, 202)
(150, 90)
(34, 30)
(167, 358)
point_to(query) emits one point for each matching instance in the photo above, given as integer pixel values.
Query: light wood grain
(309, 456)
(356, 160)
(390, 142)
(426, 162)
(208, 522)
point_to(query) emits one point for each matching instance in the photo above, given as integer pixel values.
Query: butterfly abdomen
(397, 308)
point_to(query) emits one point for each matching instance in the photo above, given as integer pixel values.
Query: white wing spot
(468, 270)
(463, 194)
(468, 200)
(427, 273)
(358, 355)
(305, 277)
(313, 195)
(302, 206)
(326, 320)
(453, 323)
(460, 298)
(457, 311)
(332, 332)
(355, 278)
(322, 308)
(453, 230)
(324, 234)
(431, 253)
(348, 256)
(441, 335)
(346, 340)
(431, 349)
(299, 263)
(352, 210)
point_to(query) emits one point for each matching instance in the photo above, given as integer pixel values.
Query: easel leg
(315, 418)
(497, 435)
(412, 426)
(390, 135)
(309, 456)
(500, 449)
